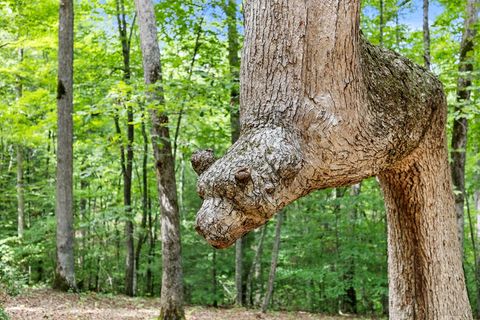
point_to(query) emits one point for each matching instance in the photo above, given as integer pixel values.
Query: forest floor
(41, 304)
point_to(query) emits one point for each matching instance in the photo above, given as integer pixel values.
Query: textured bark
(460, 123)
(426, 36)
(172, 286)
(321, 107)
(64, 271)
(423, 252)
(274, 262)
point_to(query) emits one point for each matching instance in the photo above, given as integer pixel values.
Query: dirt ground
(48, 304)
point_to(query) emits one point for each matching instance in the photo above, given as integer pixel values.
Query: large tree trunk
(64, 272)
(321, 107)
(172, 286)
(460, 123)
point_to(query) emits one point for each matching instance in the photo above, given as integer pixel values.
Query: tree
(172, 286)
(426, 36)
(321, 107)
(127, 161)
(20, 182)
(230, 9)
(460, 123)
(64, 272)
(273, 264)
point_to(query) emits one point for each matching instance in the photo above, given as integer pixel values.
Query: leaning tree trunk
(460, 123)
(172, 286)
(321, 107)
(64, 272)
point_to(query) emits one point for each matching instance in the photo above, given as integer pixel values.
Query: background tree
(172, 286)
(460, 122)
(65, 271)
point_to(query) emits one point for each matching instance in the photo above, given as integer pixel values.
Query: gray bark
(460, 123)
(172, 286)
(274, 262)
(321, 107)
(64, 272)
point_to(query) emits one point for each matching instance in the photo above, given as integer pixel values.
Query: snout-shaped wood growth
(321, 107)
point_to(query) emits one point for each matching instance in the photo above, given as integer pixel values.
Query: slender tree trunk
(460, 123)
(349, 302)
(273, 265)
(477, 262)
(143, 234)
(254, 279)
(64, 272)
(127, 161)
(426, 36)
(20, 193)
(382, 23)
(230, 9)
(239, 272)
(84, 220)
(172, 278)
(20, 187)
(214, 278)
(151, 249)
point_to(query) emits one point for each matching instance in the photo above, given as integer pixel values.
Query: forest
(102, 198)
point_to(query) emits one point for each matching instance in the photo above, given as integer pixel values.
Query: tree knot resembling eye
(243, 175)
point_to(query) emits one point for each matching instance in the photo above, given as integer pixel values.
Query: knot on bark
(243, 175)
(202, 160)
